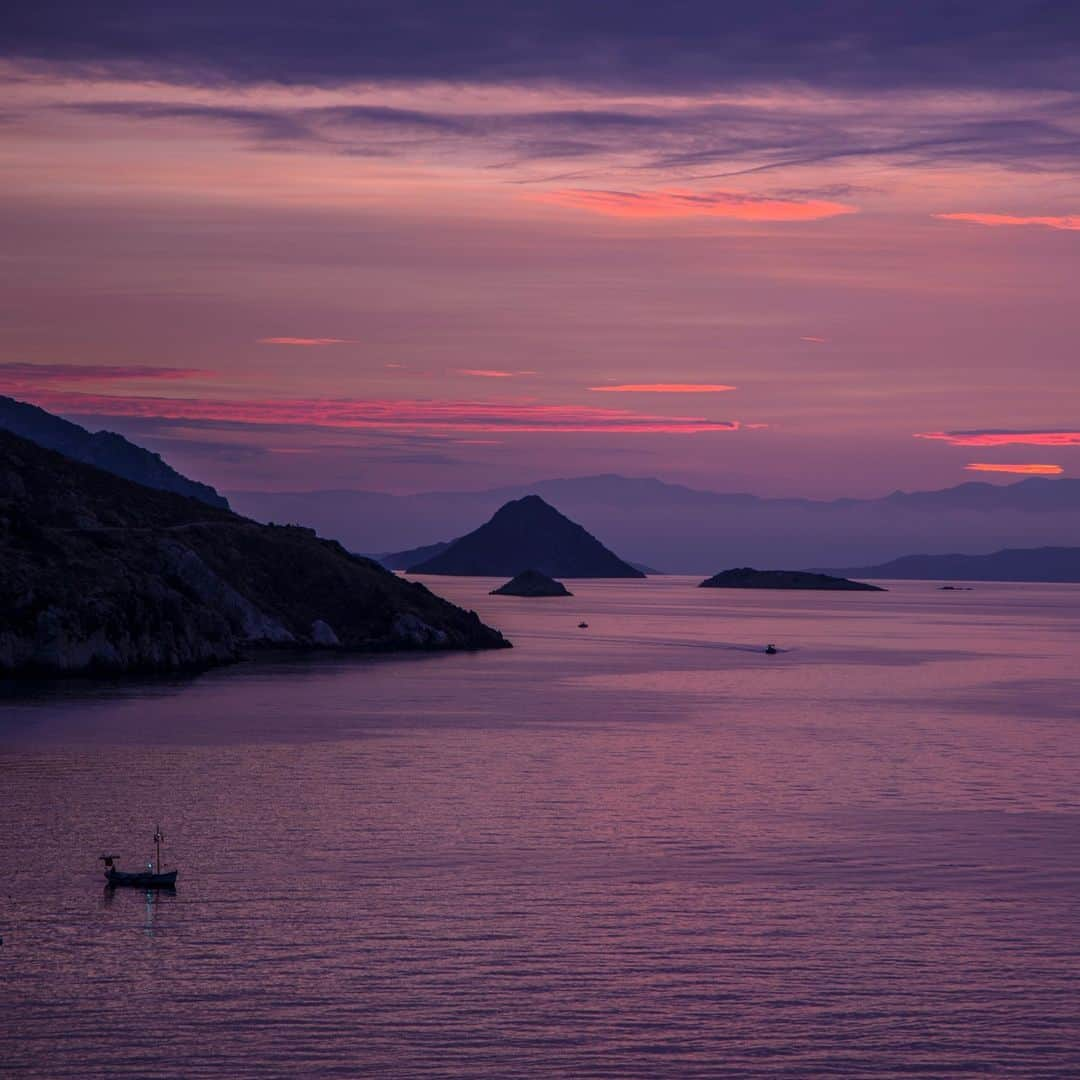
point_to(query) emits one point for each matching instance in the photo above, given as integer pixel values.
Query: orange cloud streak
(1069, 222)
(1024, 470)
(303, 341)
(671, 204)
(663, 388)
(486, 373)
(382, 414)
(1004, 438)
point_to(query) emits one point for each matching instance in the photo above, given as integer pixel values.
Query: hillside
(1053, 564)
(528, 534)
(104, 449)
(98, 574)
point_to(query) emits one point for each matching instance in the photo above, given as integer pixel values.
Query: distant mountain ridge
(103, 449)
(686, 530)
(527, 534)
(1049, 564)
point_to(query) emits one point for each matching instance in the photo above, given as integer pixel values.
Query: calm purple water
(644, 849)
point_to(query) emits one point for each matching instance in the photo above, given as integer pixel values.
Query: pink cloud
(672, 204)
(1002, 437)
(663, 388)
(1024, 470)
(383, 414)
(306, 342)
(487, 373)
(815, 340)
(1069, 222)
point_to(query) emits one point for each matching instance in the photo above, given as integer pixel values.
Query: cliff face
(98, 574)
(103, 449)
(528, 534)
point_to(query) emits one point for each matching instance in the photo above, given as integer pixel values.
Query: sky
(814, 250)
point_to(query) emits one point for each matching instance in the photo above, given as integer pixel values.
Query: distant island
(524, 534)
(1049, 564)
(746, 577)
(100, 575)
(532, 583)
(103, 449)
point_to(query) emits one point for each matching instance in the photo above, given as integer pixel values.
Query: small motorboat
(153, 877)
(771, 649)
(583, 626)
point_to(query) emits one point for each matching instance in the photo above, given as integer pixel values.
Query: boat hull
(141, 880)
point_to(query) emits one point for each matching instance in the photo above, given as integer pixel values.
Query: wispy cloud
(386, 414)
(487, 373)
(670, 204)
(16, 375)
(1022, 470)
(663, 388)
(814, 340)
(1005, 437)
(304, 342)
(1068, 222)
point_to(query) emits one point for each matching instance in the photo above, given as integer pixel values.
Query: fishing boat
(771, 649)
(153, 877)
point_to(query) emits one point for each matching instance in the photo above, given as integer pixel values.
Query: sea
(641, 848)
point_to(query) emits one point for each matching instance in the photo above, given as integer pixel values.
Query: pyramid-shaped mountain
(528, 534)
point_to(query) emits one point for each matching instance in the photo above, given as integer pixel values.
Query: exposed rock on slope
(747, 577)
(100, 574)
(105, 449)
(532, 583)
(528, 533)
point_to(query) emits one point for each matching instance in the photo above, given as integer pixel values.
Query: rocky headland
(102, 575)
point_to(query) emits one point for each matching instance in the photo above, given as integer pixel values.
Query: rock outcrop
(747, 577)
(532, 583)
(98, 574)
(528, 533)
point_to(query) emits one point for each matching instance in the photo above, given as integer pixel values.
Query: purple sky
(421, 246)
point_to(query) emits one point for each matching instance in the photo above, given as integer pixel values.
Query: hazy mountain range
(682, 529)
(1013, 564)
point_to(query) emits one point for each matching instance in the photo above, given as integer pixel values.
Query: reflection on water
(648, 849)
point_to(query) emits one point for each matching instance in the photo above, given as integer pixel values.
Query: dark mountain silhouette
(103, 449)
(1060, 564)
(528, 534)
(681, 529)
(99, 574)
(746, 577)
(532, 583)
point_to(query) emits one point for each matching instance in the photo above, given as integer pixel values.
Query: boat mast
(157, 840)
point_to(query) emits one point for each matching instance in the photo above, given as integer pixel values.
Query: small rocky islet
(532, 583)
